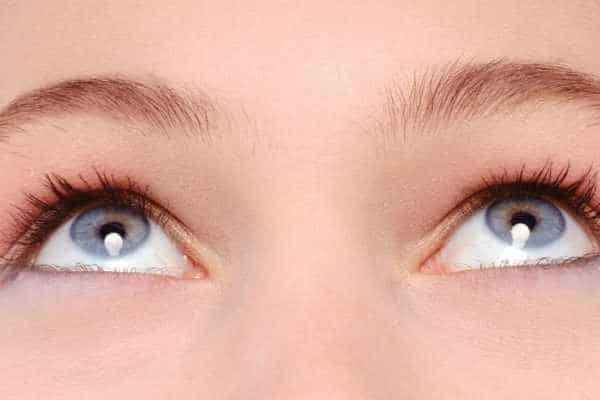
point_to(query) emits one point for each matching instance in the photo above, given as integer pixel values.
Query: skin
(320, 227)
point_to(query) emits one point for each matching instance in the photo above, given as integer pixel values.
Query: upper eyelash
(31, 225)
(579, 195)
(28, 223)
(548, 180)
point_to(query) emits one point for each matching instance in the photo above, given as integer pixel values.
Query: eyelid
(42, 215)
(35, 224)
(438, 238)
(576, 197)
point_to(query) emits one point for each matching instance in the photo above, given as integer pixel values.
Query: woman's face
(327, 186)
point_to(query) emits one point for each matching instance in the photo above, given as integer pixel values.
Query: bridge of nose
(311, 329)
(309, 310)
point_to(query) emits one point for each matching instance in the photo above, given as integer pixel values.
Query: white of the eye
(113, 242)
(473, 245)
(157, 255)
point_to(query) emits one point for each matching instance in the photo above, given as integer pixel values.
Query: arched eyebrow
(458, 92)
(154, 104)
(430, 100)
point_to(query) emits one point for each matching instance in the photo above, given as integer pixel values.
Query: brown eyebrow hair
(464, 91)
(435, 97)
(152, 103)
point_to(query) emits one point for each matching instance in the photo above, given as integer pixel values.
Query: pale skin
(312, 218)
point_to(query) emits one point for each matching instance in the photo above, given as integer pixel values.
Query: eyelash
(31, 225)
(576, 195)
(550, 182)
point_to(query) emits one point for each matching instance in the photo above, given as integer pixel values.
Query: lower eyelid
(433, 266)
(93, 285)
(9, 272)
(583, 271)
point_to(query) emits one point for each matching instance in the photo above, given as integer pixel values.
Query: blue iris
(545, 221)
(91, 227)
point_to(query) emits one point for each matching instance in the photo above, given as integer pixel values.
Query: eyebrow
(457, 92)
(151, 103)
(432, 98)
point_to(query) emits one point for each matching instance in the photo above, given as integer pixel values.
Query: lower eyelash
(551, 263)
(32, 224)
(99, 269)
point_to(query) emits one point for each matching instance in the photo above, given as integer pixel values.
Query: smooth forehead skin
(319, 213)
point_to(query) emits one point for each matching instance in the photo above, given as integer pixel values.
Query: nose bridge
(310, 309)
(309, 335)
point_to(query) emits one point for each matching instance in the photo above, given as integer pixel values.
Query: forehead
(307, 64)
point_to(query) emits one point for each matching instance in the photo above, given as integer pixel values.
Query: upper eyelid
(31, 224)
(548, 180)
(132, 195)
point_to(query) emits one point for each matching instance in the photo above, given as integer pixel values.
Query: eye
(112, 238)
(100, 224)
(511, 231)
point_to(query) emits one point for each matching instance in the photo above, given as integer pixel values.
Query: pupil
(523, 218)
(112, 227)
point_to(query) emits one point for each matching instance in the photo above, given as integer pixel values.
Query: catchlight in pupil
(112, 227)
(524, 218)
